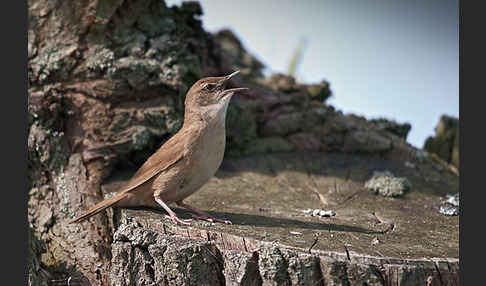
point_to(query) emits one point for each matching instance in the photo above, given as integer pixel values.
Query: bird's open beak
(232, 75)
(231, 91)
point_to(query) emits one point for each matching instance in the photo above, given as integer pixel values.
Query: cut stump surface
(370, 239)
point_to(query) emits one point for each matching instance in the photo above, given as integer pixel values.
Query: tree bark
(106, 86)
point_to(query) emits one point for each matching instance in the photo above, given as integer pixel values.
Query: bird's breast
(205, 159)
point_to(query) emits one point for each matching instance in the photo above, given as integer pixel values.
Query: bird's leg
(172, 214)
(201, 215)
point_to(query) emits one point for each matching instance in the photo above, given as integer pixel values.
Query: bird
(185, 162)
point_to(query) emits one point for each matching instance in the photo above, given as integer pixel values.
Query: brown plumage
(186, 161)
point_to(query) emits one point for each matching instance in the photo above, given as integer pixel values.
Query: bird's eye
(209, 86)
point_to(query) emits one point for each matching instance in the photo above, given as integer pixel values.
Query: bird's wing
(170, 153)
(166, 156)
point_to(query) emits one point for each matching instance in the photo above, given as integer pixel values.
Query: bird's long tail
(99, 207)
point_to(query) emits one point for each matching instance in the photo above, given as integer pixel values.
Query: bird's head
(210, 95)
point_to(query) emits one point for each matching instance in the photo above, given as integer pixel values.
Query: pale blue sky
(383, 58)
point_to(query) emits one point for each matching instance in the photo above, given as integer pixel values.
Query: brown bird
(186, 161)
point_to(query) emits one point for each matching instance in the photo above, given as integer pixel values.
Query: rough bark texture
(372, 239)
(147, 255)
(107, 81)
(106, 86)
(34, 270)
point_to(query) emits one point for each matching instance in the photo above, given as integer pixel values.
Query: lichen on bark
(106, 87)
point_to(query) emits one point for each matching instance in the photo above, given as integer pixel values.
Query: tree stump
(371, 240)
(107, 81)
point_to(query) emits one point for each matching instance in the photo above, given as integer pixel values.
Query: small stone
(375, 241)
(453, 199)
(328, 213)
(320, 212)
(449, 211)
(451, 207)
(296, 233)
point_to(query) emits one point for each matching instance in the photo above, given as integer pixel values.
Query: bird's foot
(202, 215)
(175, 219)
(211, 219)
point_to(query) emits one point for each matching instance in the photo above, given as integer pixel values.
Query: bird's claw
(211, 219)
(177, 220)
